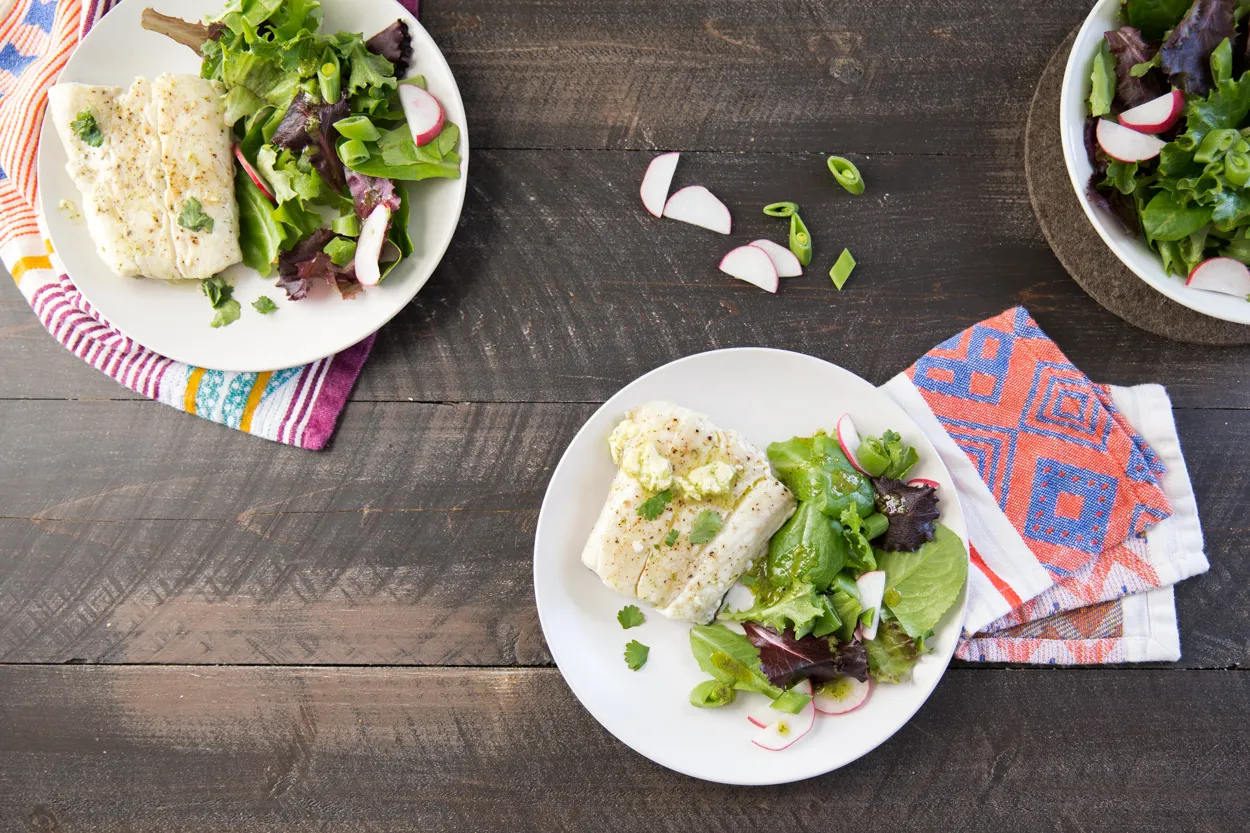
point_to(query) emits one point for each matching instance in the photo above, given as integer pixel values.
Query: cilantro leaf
(193, 217)
(630, 617)
(653, 507)
(227, 313)
(220, 295)
(636, 654)
(86, 128)
(706, 524)
(264, 305)
(671, 537)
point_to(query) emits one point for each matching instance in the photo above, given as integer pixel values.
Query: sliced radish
(369, 245)
(747, 263)
(656, 182)
(923, 481)
(871, 592)
(848, 438)
(1125, 144)
(786, 728)
(765, 715)
(1156, 115)
(253, 174)
(841, 695)
(423, 112)
(1221, 274)
(698, 206)
(784, 260)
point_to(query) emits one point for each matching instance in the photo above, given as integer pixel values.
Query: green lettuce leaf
(1155, 17)
(798, 608)
(1121, 176)
(845, 603)
(816, 470)
(860, 556)
(260, 236)
(891, 654)
(886, 456)
(1102, 83)
(1226, 106)
(808, 548)
(369, 71)
(922, 585)
(1166, 217)
(730, 658)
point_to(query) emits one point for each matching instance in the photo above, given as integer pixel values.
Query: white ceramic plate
(767, 395)
(173, 318)
(1131, 249)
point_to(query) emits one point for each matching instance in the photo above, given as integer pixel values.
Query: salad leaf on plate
(1129, 49)
(817, 471)
(1166, 217)
(886, 456)
(1187, 51)
(858, 532)
(1102, 81)
(394, 43)
(911, 512)
(1155, 17)
(730, 658)
(797, 608)
(808, 548)
(922, 585)
(844, 600)
(785, 659)
(260, 236)
(891, 654)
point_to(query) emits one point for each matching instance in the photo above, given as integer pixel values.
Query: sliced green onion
(800, 240)
(341, 251)
(847, 175)
(1215, 143)
(347, 225)
(842, 269)
(358, 127)
(1237, 168)
(782, 209)
(330, 77)
(353, 152)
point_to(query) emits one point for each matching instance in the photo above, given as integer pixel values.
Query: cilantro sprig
(653, 507)
(87, 129)
(630, 617)
(220, 295)
(193, 217)
(636, 654)
(706, 524)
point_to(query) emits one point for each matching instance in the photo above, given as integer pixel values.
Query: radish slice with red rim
(747, 263)
(848, 440)
(698, 206)
(840, 695)
(784, 260)
(656, 182)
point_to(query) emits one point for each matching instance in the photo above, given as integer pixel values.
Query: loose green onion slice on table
(782, 209)
(847, 175)
(842, 268)
(800, 240)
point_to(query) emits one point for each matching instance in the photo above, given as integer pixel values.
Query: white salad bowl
(1132, 250)
(172, 318)
(766, 395)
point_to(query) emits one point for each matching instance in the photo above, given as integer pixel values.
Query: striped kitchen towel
(1079, 507)
(298, 406)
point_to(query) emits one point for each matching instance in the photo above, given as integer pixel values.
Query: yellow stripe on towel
(193, 389)
(253, 399)
(25, 264)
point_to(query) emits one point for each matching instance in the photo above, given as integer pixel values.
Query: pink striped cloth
(298, 406)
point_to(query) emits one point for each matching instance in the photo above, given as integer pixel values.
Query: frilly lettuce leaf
(785, 659)
(797, 608)
(911, 511)
(816, 470)
(892, 654)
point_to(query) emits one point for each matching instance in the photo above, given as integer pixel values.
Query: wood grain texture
(140, 535)
(227, 749)
(559, 288)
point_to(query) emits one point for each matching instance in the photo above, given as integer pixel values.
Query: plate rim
(543, 520)
(48, 137)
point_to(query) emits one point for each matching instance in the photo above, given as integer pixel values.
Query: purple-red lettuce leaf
(298, 267)
(309, 124)
(785, 659)
(368, 192)
(1098, 160)
(912, 512)
(1186, 54)
(185, 32)
(1112, 201)
(394, 43)
(1130, 49)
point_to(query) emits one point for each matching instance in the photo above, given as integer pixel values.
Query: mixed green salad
(850, 591)
(325, 139)
(1168, 132)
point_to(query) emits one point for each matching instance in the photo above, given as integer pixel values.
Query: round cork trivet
(1079, 248)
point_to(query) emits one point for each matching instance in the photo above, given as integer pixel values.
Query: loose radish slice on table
(923, 481)
(871, 592)
(841, 695)
(1125, 144)
(698, 206)
(656, 182)
(1156, 115)
(423, 112)
(784, 261)
(253, 174)
(1221, 274)
(848, 439)
(747, 263)
(369, 245)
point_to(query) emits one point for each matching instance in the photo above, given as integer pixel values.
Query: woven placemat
(1079, 248)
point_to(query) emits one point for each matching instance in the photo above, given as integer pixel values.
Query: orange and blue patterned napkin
(1079, 508)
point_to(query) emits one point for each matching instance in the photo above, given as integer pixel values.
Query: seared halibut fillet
(663, 448)
(162, 144)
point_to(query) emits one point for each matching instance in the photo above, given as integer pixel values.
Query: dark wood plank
(557, 267)
(217, 749)
(140, 535)
(771, 75)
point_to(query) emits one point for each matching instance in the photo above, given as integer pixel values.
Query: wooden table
(207, 631)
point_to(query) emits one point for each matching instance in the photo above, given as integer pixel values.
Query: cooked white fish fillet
(662, 446)
(164, 142)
